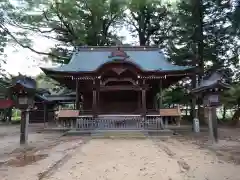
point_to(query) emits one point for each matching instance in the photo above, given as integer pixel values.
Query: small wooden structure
(210, 90)
(173, 113)
(46, 103)
(24, 89)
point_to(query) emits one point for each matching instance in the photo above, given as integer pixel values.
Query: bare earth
(76, 158)
(144, 159)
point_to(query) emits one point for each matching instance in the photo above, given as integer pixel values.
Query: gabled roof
(214, 80)
(54, 98)
(68, 97)
(89, 59)
(27, 82)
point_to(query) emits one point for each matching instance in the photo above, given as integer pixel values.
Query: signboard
(23, 100)
(211, 100)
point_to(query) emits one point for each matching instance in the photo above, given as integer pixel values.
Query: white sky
(24, 61)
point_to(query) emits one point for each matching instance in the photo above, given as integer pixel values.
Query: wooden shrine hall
(118, 80)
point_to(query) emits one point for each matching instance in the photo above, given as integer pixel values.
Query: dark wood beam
(119, 88)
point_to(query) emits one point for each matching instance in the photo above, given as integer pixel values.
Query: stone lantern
(24, 89)
(210, 90)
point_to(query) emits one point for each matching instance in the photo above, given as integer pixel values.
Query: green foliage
(236, 16)
(45, 82)
(231, 98)
(16, 115)
(71, 23)
(146, 19)
(203, 32)
(175, 95)
(219, 43)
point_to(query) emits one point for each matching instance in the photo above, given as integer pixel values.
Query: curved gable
(91, 59)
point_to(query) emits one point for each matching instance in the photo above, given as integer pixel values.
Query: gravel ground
(144, 159)
(228, 147)
(51, 157)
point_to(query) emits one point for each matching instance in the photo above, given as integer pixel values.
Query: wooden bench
(171, 112)
(66, 118)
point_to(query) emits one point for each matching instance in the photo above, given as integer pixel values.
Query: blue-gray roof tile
(146, 59)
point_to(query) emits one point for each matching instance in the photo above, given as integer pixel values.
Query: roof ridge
(112, 48)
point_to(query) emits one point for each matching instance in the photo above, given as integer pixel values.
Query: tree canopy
(201, 33)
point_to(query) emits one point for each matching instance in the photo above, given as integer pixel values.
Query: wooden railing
(75, 119)
(88, 122)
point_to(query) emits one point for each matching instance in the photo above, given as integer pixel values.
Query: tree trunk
(201, 116)
(193, 99)
(224, 112)
(200, 48)
(235, 118)
(5, 115)
(9, 115)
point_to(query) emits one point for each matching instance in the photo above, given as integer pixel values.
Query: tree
(3, 43)
(146, 18)
(236, 15)
(45, 82)
(186, 39)
(201, 36)
(175, 95)
(12, 28)
(69, 23)
(231, 99)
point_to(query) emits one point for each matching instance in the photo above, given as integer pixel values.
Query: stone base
(120, 133)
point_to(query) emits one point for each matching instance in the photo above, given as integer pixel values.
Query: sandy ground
(144, 159)
(77, 158)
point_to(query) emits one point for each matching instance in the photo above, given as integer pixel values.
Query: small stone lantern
(24, 89)
(210, 90)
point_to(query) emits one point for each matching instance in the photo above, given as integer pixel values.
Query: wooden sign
(211, 100)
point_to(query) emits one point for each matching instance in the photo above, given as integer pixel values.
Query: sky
(24, 61)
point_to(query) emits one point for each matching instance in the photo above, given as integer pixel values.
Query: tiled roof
(212, 81)
(87, 59)
(53, 98)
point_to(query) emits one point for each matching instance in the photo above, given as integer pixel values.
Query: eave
(218, 84)
(51, 72)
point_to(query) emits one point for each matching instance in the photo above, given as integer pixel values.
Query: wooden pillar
(77, 94)
(160, 105)
(98, 100)
(143, 92)
(139, 100)
(45, 114)
(94, 102)
(144, 107)
(24, 128)
(213, 125)
(161, 96)
(94, 98)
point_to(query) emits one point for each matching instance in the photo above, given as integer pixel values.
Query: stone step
(120, 133)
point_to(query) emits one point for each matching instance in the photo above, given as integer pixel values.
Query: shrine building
(118, 80)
